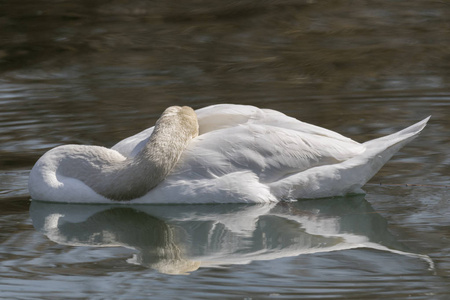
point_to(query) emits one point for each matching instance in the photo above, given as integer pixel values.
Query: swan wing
(270, 152)
(222, 116)
(350, 175)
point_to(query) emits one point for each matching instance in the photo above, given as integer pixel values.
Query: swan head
(185, 116)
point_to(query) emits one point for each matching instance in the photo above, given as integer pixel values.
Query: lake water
(95, 72)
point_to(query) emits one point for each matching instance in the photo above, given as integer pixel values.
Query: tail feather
(404, 136)
(380, 150)
(348, 176)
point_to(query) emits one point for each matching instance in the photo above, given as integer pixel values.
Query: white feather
(244, 154)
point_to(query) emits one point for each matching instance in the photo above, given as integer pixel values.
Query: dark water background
(95, 72)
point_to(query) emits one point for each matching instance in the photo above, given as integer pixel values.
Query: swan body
(241, 154)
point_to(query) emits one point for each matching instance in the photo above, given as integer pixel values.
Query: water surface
(96, 72)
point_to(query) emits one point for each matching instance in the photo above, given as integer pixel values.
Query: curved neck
(134, 177)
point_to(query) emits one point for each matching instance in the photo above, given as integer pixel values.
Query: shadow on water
(178, 239)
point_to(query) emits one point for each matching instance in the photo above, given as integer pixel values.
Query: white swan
(242, 154)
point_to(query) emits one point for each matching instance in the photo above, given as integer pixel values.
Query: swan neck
(134, 177)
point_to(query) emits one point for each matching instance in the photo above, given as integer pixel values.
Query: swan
(223, 153)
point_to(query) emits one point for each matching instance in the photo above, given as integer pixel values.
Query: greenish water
(96, 72)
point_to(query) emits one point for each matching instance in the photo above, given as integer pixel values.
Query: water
(96, 72)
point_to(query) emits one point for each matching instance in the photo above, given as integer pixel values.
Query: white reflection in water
(177, 239)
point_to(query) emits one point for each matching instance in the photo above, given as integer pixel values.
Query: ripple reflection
(179, 239)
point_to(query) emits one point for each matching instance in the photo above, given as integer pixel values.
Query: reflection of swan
(179, 239)
(243, 154)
